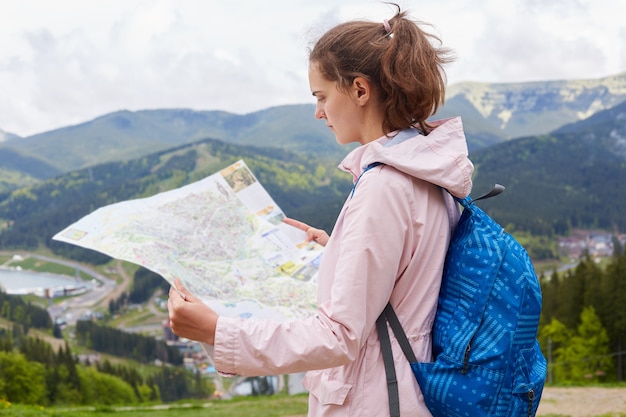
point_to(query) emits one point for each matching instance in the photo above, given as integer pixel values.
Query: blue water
(27, 282)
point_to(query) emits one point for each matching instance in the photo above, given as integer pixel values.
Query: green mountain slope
(573, 177)
(307, 189)
(17, 170)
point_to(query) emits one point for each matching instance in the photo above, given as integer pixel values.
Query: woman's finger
(180, 289)
(296, 223)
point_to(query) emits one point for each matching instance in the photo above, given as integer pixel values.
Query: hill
(305, 188)
(571, 178)
(18, 170)
(125, 135)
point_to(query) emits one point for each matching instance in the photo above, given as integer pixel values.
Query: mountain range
(492, 113)
(559, 147)
(534, 108)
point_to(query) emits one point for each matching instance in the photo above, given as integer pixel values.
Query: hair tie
(387, 26)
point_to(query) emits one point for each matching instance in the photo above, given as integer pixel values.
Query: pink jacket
(388, 243)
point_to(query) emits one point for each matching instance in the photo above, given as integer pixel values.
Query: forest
(583, 322)
(31, 372)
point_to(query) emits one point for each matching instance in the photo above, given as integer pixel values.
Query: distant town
(598, 244)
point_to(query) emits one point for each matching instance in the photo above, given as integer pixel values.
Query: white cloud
(67, 61)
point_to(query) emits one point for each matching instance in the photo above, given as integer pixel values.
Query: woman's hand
(316, 235)
(189, 316)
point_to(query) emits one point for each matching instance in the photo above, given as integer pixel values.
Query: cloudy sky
(64, 62)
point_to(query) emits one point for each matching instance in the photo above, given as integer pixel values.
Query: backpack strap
(367, 168)
(390, 369)
(398, 332)
(389, 316)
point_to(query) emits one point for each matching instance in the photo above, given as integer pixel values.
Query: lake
(13, 281)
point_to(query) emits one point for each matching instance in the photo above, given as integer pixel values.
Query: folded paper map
(222, 236)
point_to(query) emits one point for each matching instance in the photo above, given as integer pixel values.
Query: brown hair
(397, 57)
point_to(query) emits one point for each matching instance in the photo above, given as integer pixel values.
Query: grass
(273, 406)
(29, 263)
(37, 265)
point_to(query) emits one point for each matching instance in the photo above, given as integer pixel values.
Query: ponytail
(402, 61)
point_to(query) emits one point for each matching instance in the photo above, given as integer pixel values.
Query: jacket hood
(440, 158)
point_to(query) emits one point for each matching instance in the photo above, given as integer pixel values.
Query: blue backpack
(487, 360)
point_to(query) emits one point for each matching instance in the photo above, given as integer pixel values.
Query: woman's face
(340, 111)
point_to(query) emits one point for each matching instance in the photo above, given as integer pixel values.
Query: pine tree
(611, 309)
(555, 336)
(581, 355)
(550, 291)
(589, 349)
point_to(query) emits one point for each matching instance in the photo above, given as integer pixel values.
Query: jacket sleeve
(370, 244)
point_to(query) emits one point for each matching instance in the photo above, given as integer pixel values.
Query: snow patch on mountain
(594, 107)
(508, 101)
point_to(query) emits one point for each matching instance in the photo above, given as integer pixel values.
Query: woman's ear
(362, 90)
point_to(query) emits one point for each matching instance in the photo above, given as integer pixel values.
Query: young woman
(375, 84)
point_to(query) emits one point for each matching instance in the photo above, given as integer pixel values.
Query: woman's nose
(319, 113)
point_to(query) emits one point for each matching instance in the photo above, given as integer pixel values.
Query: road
(99, 296)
